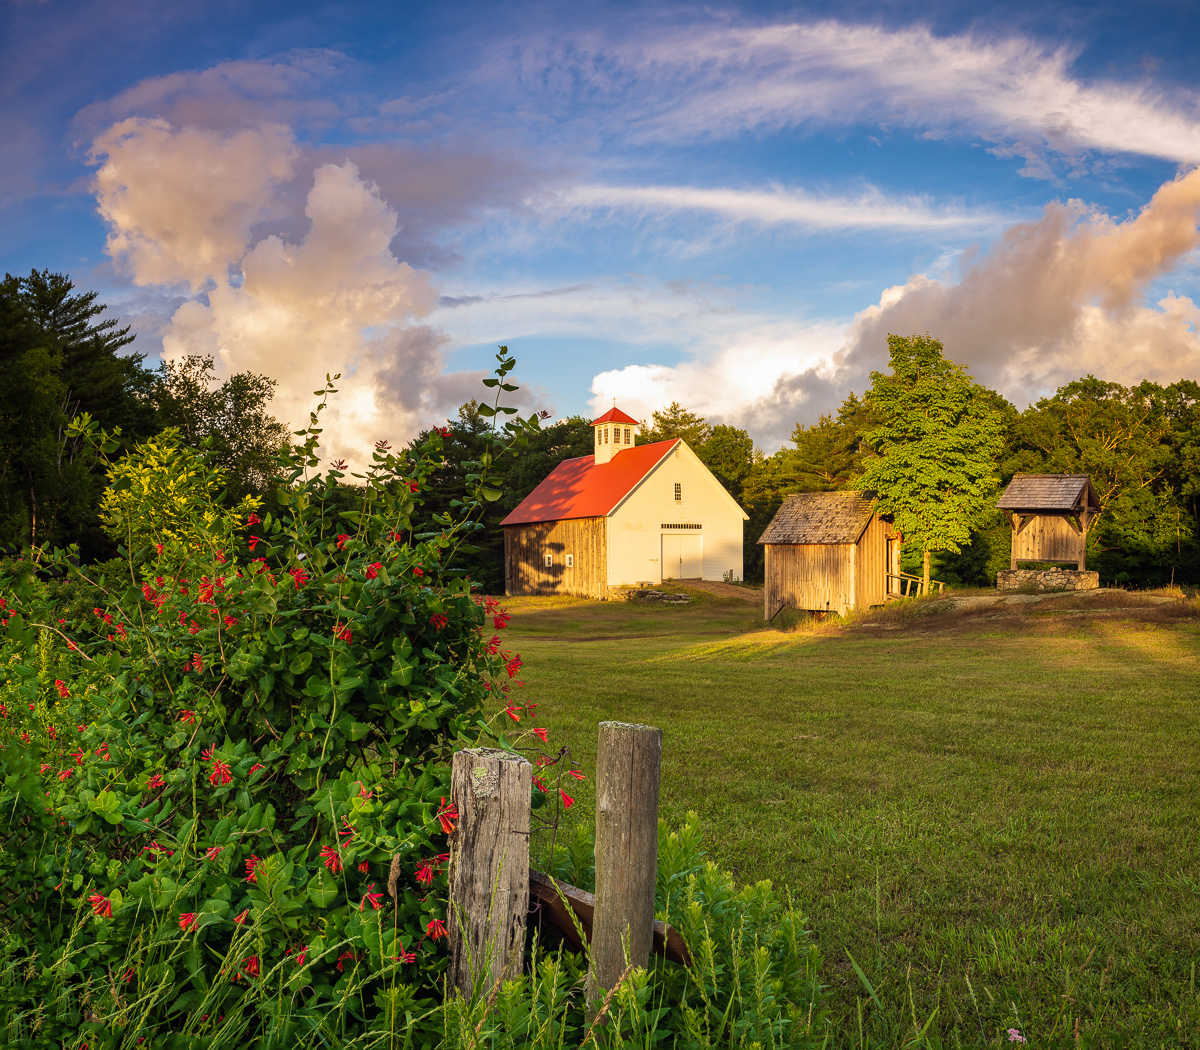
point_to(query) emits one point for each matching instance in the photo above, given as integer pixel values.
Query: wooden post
(489, 868)
(628, 758)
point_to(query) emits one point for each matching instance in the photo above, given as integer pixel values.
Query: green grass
(996, 817)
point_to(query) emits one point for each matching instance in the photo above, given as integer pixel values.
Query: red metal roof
(615, 415)
(579, 488)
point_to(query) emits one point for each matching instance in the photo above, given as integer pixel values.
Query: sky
(730, 206)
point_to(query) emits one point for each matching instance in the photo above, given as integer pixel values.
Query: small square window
(549, 560)
(678, 492)
(570, 561)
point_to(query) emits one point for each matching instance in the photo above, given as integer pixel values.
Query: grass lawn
(995, 815)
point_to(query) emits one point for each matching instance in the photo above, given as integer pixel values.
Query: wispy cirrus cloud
(780, 206)
(717, 79)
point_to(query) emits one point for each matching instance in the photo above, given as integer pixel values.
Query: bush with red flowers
(224, 785)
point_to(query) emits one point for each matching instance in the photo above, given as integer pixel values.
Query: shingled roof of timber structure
(821, 517)
(615, 415)
(583, 488)
(1047, 492)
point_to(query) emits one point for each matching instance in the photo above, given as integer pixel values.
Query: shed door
(682, 556)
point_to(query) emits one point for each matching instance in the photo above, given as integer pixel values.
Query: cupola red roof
(615, 415)
(583, 488)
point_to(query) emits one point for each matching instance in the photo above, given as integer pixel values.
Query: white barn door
(682, 556)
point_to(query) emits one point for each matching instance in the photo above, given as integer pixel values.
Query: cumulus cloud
(1047, 302)
(1054, 299)
(180, 203)
(181, 206)
(715, 79)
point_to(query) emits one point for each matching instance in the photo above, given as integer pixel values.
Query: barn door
(682, 556)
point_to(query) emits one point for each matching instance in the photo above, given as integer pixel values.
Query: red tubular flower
(404, 957)
(513, 666)
(255, 768)
(364, 867)
(78, 756)
(197, 661)
(187, 921)
(187, 716)
(156, 849)
(513, 712)
(413, 486)
(348, 832)
(213, 852)
(370, 896)
(43, 767)
(343, 957)
(254, 541)
(373, 569)
(220, 774)
(493, 647)
(540, 786)
(333, 859)
(156, 781)
(447, 815)
(341, 540)
(418, 571)
(342, 631)
(299, 578)
(435, 929)
(63, 774)
(576, 774)
(241, 919)
(251, 965)
(251, 863)
(61, 686)
(438, 621)
(567, 800)
(540, 733)
(300, 957)
(230, 621)
(425, 873)
(101, 906)
(253, 520)
(501, 620)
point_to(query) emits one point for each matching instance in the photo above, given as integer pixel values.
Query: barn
(1050, 515)
(627, 514)
(829, 552)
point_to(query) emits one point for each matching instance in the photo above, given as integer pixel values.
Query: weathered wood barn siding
(527, 546)
(811, 576)
(871, 567)
(1049, 539)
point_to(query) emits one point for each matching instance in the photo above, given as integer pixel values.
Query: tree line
(935, 444)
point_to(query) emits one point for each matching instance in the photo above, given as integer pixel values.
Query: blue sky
(726, 206)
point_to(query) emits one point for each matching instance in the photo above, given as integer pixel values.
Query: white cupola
(613, 431)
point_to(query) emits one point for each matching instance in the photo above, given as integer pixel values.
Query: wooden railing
(904, 585)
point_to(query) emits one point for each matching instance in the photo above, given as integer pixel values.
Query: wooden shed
(1050, 515)
(829, 552)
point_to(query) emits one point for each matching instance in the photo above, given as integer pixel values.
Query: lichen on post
(489, 868)
(628, 760)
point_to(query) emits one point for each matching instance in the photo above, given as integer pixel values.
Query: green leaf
(322, 889)
(301, 662)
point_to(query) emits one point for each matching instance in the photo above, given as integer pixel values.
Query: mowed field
(995, 812)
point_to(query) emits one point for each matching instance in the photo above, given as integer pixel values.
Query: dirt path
(741, 592)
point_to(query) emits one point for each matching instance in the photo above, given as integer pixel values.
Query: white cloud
(181, 206)
(720, 80)
(869, 210)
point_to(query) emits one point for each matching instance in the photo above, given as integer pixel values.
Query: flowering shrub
(225, 785)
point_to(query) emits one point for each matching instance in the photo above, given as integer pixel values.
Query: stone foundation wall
(1047, 580)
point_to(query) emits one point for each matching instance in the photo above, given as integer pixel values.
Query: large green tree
(675, 421)
(1139, 445)
(935, 450)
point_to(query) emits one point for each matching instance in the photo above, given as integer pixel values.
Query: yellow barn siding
(637, 541)
(1049, 538)
(871, 566)
(526, 548)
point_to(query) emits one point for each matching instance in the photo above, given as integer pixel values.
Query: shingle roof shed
(1031, 493)
(821, 517)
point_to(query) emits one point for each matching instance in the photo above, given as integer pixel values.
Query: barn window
(570, 561)
(627, 435)
(606, 435)
(597, 435)
(549, 560)
(678, 492)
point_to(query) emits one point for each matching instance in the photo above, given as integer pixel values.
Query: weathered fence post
(628, 758)
(489, 868)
